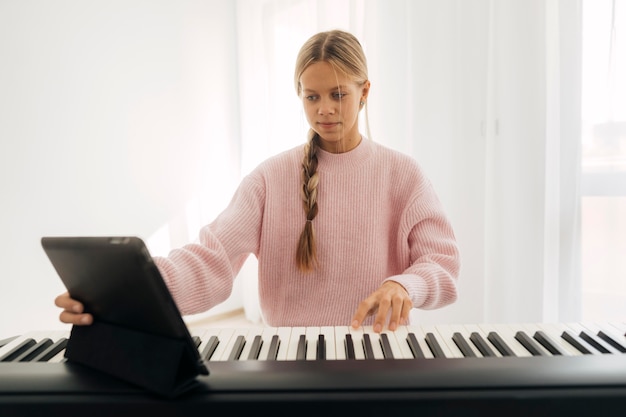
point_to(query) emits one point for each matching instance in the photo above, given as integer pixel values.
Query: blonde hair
(343, 51)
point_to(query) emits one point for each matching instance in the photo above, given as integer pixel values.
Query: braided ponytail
(306, 254)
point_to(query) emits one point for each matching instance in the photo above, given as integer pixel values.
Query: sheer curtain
(485, 94)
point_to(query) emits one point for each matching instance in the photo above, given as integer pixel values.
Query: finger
(396, 311)
(67, 303)
(363, 310)
(381, 315)
(406, 311)
(76, 319)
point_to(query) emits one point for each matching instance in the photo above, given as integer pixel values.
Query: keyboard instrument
(478, 369)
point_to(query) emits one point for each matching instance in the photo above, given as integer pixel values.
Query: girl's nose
(325, 107)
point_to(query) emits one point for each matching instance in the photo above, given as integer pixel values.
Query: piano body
(451, 370)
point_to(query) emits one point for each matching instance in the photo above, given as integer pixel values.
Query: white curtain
(485, 94)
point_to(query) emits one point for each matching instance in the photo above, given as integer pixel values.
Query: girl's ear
(365, 90)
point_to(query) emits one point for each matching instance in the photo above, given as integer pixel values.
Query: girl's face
(331, 102)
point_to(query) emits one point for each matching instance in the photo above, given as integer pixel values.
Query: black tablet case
(138, 334)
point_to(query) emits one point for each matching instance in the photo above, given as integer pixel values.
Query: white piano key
(221, 352)
(357, 340)
(293, 342)
(284, 334)
(312, 336)
(340, 340)
(251, 335)
(401, 346)
(331, 343)
(266, 335)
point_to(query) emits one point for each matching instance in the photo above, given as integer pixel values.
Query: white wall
(109, 114)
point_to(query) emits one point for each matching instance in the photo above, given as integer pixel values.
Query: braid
(306, 255)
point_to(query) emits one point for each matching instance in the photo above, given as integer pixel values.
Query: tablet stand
(159, 364)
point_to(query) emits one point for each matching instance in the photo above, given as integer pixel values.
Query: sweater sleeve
(200, 275)
(433, 255)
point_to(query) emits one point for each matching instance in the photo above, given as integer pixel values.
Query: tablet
(118, 282)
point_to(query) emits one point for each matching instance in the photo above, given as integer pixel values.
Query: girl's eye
(339, 96)
(310, 98)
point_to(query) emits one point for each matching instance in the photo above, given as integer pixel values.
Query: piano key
(7, 340)
(284, 335)
(495, 335)
(312, 336)
(580, 345)
(420, 335)
(596, 344)
(611, 341)
(18, 349)
(331, 343)
(396, 351)
(269, 347)
(533, 347)
(320, 349)
(52, 351)
(463, 346)
(608, 335)
(35, 350)
(386, 346)
(445, 336)
(357, 341)
(252, 342)
(291, 342)
(434, 345)
(225, 337)
(301, 349)
(402, 347)
(255, 348)
(272, 353)
(237, 347)
(548, 343)
(206, 353)
(554, 331)
(482, 345)
(367, 346)
(344, 349)
(377, 349)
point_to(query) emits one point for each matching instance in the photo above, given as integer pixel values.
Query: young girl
(346, 231)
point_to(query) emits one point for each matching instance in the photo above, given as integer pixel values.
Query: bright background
(140, 117)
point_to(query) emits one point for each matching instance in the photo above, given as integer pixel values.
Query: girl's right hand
(72, 311)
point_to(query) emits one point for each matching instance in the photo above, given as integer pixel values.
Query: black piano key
(320, 352)
(210, 347)
(549, 344)
(593, 342)
(255, 349)
(301, 352)
(235, 353)
(18, 350)
(433, 344)
(349, 346)
(415, 346)
(272, 353)
(571, 339)
(367, 346)
(482, 345)
(500, 344)
(196, 341)
(528, 343)
(51, 351)
(386, 346)
(463, 346)
(36, 349)
(608, 339)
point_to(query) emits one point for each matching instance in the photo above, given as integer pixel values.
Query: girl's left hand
(390, 296)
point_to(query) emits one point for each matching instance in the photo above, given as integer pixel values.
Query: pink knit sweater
(379, 218)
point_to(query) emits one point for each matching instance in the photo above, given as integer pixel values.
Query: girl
(346, 231)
